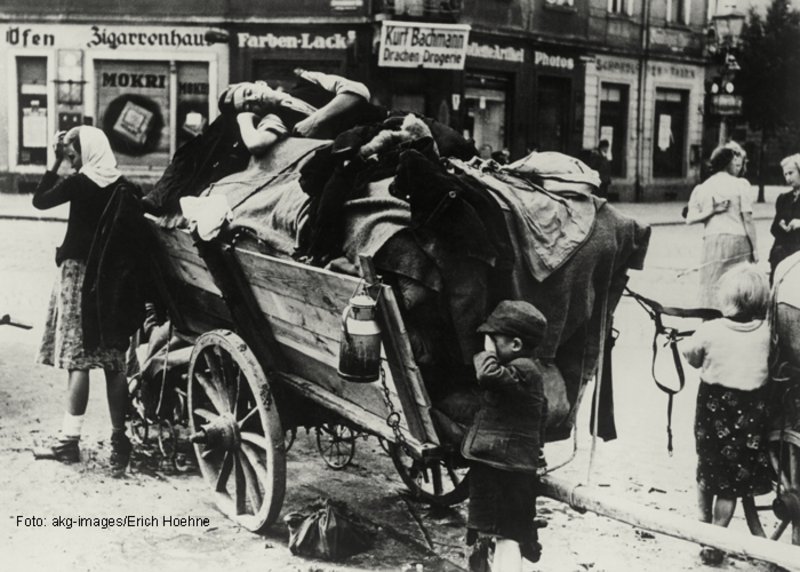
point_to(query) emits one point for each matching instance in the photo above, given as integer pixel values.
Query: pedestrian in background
(88, 192)
(600, 161)
(786, 225)
(724, 204)
(505, 439)
(732, 354)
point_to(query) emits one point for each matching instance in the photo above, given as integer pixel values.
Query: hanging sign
(421, 45)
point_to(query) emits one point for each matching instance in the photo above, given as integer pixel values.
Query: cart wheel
(336, 445)
(236, 430)
(288, 438)
(784, 452)
(438, 482)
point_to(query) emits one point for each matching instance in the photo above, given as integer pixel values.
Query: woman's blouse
(720, 187)
(729, 353)
(87, 203)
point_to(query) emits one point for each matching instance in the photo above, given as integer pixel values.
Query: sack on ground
(327, 530)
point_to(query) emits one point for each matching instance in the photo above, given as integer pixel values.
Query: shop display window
(487, 111)
(32, 110)
(135, 108)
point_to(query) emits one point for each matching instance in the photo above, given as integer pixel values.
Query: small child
(504, 440)
(731, 416)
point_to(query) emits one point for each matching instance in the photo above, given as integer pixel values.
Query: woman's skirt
(721, 252)
(730, 430)
(62, 339)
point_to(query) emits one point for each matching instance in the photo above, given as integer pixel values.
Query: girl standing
(724, 204)
(88, 192)
(731, 417)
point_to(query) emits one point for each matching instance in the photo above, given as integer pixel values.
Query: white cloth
(208, 214)
(720, 187)
(97, 159)
(729, 353)
(559, 172)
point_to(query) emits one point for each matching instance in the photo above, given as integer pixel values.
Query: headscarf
(97, 158)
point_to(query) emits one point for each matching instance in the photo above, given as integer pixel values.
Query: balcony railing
(433, 9)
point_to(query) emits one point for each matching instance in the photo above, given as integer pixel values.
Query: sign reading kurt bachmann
(422, 45)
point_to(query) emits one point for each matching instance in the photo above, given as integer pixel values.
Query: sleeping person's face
(255, 97)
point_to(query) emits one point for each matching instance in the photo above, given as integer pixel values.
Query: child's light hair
(743, 292)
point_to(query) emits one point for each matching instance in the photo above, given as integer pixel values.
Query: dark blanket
(207, 158)
(118, 273)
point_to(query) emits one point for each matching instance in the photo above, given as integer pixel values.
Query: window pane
(32, 110)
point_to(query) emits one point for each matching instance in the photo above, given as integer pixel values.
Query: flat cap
(516, 318)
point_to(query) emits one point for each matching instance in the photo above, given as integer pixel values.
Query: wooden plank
(305, 315)
(599, 501)
(307, 284)
(352, 412)
(407, 380)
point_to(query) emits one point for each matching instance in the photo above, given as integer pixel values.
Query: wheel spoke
(217, 376)
(256, 439)
(779, 530)
(451, 473)
(239, 485)
(254, 460)
(235, 403)
(251, 482)
(794, 467)
(244, 419)
(224, 472)
(205, 414)
(436, 470)
(213, 395)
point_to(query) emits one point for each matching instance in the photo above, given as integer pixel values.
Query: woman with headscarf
(88, 192)
(786, 225)
(724, 204)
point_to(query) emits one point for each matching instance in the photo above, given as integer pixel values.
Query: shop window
(32, 110)
(486, 98)
(553, 112)
(135, 108)
(560, 2)
(614, 123)
(192, 108)
(669, 141)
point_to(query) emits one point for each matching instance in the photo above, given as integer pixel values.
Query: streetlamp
(723, 42)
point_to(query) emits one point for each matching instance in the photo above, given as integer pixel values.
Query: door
(669, 141)
(614, 124)
(553, 105)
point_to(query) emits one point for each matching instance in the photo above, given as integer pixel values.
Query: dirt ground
(635, 467)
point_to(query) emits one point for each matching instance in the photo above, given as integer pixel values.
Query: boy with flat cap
(504, 440)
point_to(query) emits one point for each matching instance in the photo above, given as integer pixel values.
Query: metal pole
(640, 123)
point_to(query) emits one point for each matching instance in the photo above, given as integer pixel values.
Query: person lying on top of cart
(253, 117)
(320, 106)
(505, 439)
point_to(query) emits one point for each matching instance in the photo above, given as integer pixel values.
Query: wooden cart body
(290, 314)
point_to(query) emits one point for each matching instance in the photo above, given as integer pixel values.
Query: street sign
(726, 104)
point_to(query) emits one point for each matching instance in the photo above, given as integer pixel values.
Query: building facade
(521, 75)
